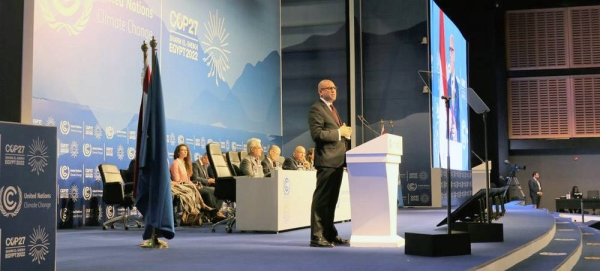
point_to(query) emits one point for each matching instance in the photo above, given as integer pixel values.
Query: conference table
(282, 201)
(577, 204)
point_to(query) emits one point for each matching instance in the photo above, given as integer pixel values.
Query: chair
(234, 161)
(117, 192)
(243, 154)
(224, 183)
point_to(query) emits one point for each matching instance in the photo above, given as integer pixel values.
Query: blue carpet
(196, 248)
(590, 255)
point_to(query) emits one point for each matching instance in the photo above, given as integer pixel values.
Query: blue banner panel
(27, 197)
(462, 187)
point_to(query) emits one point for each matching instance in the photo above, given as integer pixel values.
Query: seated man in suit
(297, 161)
(272, 160)
(251, 165)
(205, 183)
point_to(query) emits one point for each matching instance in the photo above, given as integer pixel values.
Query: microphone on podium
(366, 124)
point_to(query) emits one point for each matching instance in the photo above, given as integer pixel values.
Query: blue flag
(154, 198)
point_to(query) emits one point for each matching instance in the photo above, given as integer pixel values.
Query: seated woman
(182, 186)
(575, 194)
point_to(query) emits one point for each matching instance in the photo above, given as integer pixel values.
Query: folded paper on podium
(373, 169)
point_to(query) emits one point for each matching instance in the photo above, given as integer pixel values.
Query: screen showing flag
(449, 120)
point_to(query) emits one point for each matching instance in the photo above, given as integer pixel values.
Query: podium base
(436, 245)
(376, 241)
(482, 232)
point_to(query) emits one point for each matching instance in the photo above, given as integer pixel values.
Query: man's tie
(335, 115)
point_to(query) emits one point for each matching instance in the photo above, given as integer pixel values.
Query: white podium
(373, 169)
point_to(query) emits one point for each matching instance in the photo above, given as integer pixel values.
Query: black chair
(224, 183)
(117, 192)
(234, 161)
(243, 154)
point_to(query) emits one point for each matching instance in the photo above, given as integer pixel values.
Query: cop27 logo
(38, 156)
(11, 200)
(39, 244)
(71, 16)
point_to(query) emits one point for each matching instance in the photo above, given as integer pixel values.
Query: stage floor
(197, 248)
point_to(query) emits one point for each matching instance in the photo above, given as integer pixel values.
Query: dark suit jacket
(329, 150)
(292, 164)
(199, 175)
(267, 166)
(533, 187)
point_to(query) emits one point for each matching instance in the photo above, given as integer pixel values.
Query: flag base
(154, 244)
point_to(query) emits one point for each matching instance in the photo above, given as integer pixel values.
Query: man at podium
(330, 135)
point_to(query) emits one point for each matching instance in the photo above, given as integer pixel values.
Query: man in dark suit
(271, 161)
(330, 135)
(535, 189)
(204, 182)
(296, 162)
(453, 90)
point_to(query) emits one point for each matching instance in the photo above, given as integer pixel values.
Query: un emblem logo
(69, 15)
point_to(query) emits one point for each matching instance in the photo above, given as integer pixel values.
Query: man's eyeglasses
(329, 88)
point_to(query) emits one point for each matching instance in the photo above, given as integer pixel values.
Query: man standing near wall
(535, 189)
(330, 136)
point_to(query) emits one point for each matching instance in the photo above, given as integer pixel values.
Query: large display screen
(448, 50)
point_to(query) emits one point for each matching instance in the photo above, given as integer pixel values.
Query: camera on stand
(513, 168)
(511, 180)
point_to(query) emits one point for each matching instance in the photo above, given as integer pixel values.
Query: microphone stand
(487, 170)
(365, 123)
(448, 179)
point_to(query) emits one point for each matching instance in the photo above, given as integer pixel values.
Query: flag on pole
(154, 199)
(145, 83)
(442, 52)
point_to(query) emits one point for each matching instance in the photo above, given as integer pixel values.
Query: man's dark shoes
(340, 241)
(320, 243)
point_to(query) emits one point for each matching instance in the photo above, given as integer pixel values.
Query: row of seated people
(193, 183)
(252, 165)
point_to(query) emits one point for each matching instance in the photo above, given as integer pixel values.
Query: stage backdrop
(220, 68)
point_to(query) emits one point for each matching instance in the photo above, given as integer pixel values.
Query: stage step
(590, 254)
(562, 253)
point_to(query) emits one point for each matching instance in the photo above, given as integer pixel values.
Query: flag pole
(153, 44)
(152, 241)
(136, 163)
(154, 237)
